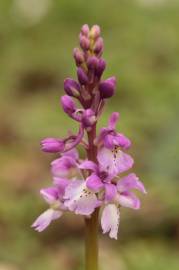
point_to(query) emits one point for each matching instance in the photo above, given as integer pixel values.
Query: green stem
(91, 251)
(91, 224)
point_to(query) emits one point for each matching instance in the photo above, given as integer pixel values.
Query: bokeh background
(142, 50)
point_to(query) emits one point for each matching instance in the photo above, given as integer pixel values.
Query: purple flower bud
(52, 145)
(78, 56)
(99, 46)
(107, 87)
(88, 118)
(85, 30)
(95, 31)
(84, 43)
(68, 105)
(82, 76)
(77, 115)
(71, 87)
(92, 62)
(100, 67)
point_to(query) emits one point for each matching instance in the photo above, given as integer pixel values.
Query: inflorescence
(79, 185)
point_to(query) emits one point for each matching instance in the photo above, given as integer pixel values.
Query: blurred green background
(142, 51)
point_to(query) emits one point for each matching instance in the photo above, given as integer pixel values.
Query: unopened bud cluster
(90, 67)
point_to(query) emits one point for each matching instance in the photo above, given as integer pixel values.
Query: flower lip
(114, 162)
(110, 220)
(80, 199)
(44, 220)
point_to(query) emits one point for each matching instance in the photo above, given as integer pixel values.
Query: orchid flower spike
(101, 179)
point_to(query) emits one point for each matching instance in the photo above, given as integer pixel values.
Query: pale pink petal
(113, 139)
(94, 183)
(43, 221)
(109, 141)
(63, 167)
(114, 161)
(73, 153)
(50, 194)
(110, 192)
(74, 188)
(121, 140)
(113, 120)
(61, 183)
(130, 181)
(88, 165)
(128, 199)
(110, 220)
(79, 199)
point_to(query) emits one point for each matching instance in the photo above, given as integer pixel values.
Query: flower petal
(130, 181)
(113, 139)
(88, 165)
(110, 192)
(50, 194)
(43, 221)
(61, 183)
(128, 199)
(109, 141)
(115, 161)
(63, 167)
(121, 140)
(110, 220)
(102, 134)
(94, 183)
(73, 153)
(113, 120)
(79, 198)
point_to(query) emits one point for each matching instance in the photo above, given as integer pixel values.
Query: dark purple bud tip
(52, 145)
(99, 46)
(78, 56)
(107, 87)
(68, 105)
(95, 31)
(71, 87)
(100, 68)
(92, 62)
(85, 30)
(82, 76)
(84, 43)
